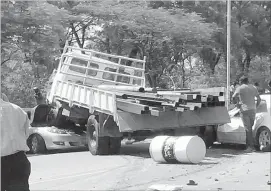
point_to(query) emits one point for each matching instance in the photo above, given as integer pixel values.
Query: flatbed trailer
(107, 94)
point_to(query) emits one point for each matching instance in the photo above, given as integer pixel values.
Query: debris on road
(269, 183)
(165, 187)
(192, 183)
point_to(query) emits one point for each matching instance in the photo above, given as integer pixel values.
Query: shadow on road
(136, 149)
(141, 149)
(51, 152)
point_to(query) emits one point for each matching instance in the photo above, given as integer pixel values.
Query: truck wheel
(96, 145)
(114, 145)
(208, 135)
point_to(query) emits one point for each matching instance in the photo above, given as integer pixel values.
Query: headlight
(57, 131)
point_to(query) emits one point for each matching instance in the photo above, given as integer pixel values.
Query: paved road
(133, 169)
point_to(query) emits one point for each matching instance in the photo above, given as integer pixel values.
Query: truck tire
(114, 145)
(208, 135)
(96, 145)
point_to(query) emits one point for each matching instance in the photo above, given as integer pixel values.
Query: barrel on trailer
(184, 149)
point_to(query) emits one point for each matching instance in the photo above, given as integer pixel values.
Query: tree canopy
(184, 41)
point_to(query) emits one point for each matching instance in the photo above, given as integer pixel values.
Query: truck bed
(146, 110)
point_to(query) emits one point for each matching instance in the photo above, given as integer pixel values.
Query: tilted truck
(106, 94)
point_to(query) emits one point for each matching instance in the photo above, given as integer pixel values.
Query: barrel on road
(184, 149)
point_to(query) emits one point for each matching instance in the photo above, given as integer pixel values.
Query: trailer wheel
(114, 145)
(96, 145)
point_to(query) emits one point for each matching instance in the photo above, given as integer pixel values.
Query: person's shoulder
(252, 87)
(17, 108)
(238, 88)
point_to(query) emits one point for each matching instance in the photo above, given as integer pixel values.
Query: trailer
(106, 94)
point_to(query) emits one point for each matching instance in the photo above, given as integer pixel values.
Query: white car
(44, 136)
(234, 132)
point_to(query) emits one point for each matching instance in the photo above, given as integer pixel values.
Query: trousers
(15, 172)
(248, 118)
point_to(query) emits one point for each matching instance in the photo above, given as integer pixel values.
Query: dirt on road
(133, 169)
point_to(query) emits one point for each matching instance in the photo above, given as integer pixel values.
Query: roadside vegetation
(184, 41)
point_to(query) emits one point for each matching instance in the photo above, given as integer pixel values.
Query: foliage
(184, 41)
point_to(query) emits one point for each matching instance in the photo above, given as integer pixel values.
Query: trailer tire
(114, 145)
(97, 145)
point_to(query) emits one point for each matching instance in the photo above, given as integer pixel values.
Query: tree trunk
(183, 74)
(133, 54)
(107, 44)
(80, 44)
(152, 78)
(247, 63)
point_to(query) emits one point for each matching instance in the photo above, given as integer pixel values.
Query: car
(234, 132)
(45, 136)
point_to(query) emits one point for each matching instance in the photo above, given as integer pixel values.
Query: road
(133, 169)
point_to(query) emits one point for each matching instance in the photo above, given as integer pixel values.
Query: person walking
(244, 98)
(15, 167)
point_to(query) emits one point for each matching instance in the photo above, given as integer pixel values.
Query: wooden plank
(210, 98)
(186, 96)
(171, 97)
(131, 107)
(170, 104)
(221, 98)
(204, 98)
(168, 108)
(179, 109)
(155, 111)
(158, 112)
(149, 102)
(146, 96)
(199, 105)
(190, 107)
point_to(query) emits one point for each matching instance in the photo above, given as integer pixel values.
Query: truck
(106, 95)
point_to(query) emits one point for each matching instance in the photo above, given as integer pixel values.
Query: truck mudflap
(129, 122)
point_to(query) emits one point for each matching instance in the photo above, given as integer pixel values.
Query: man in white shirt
(15, 167)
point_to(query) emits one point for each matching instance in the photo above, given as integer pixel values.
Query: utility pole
(228, 52)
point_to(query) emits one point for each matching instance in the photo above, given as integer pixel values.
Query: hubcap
(34, 144)
(264, 138)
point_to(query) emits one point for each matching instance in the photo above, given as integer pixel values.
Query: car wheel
(96, 145)
(263, 139)
(37, 144)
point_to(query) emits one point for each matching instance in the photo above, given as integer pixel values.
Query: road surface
(133, 169)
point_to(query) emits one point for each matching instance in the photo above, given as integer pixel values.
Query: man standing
(15, 167)
(38, 96)
(244, 98)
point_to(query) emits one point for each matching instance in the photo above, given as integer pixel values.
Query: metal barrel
(171, 149)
